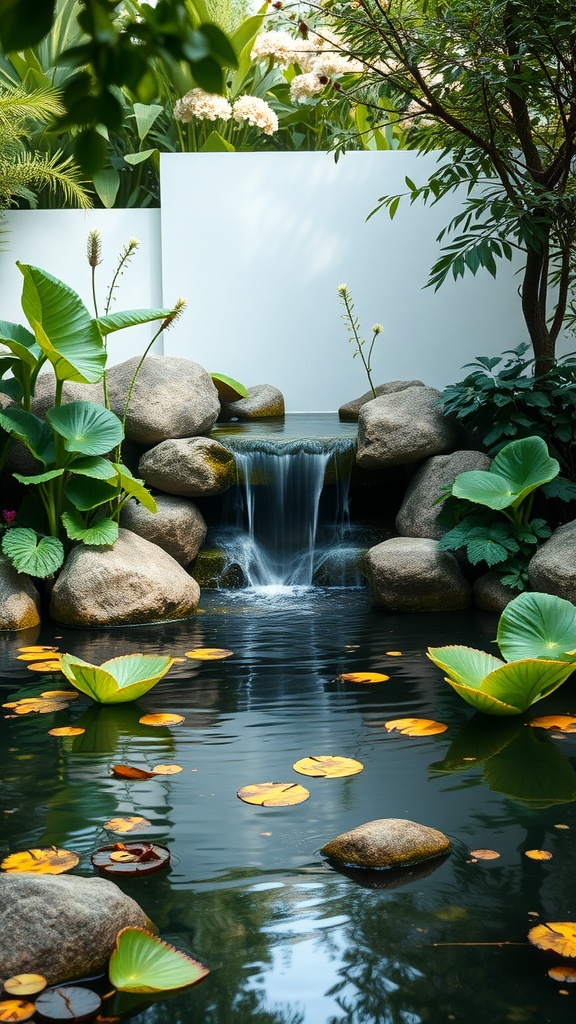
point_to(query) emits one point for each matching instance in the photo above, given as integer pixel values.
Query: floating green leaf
(37, 556)
(141, 962)
(536, 625)
(120, 679)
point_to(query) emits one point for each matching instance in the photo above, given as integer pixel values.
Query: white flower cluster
(279, 47)
(208, 106)
(319, 56)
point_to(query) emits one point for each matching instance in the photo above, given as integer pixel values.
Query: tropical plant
(81, 493)
(490, 86)
(504, 399)
(142, 962)
(117, 680)
(352, 324)
(541, 629)
(494, 509)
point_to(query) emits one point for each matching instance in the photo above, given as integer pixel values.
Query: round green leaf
(464, 665)
(36, 556)
(536, 625)
(484, 488)
(522, 683)
(120, 679)
(526, 465)
(87, 428)
(141, 962)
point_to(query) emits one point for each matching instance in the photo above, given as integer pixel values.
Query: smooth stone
(490, 594)
(552, 570)
(61, 926)
(132, 581)
(410, 574)
(177, 527)
(418, 514)
(264, 400)
(348, 413)
(19, 599)
(387, 843)
(403, 427)
(189, 467)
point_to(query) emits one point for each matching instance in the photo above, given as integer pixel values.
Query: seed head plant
(353, 326)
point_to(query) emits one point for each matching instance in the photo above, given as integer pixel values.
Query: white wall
(55, 240)
(259, 242)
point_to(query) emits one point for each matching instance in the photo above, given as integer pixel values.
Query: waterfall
(289, 513)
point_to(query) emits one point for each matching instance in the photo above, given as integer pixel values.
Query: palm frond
(36, 171)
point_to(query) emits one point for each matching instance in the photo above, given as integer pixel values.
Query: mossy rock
(212, 570)
(387, 843)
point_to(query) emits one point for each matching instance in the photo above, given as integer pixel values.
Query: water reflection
(289, 940)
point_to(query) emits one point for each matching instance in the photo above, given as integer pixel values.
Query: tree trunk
(534, 292)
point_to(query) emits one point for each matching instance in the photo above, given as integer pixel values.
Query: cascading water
(285, 522)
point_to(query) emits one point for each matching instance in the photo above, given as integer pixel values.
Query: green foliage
(229, 390)
(490, 87)
(538, 627)
(504, 399)
(511, 537)
(117, 680)
(80, 492)
(142, 962)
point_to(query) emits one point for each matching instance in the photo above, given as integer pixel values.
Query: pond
(289, 939)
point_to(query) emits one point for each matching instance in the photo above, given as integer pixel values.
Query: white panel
(259, 242)
(55, 240)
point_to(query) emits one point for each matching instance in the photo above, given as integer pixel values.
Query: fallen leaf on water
(273, 794)
(538, 854)
(127, 771)
(159, 719)
(130, 859)
(208, 653)
(123, 856)
(393, 654)
(34, 655)
(563, 973)
(132, 824)
(415, 726)
(175, 660)
(564, 723)
(66, 730)
(56, 694)
(484, 854)
(362, 677)
(16, 1010)
(559, 936)
(48, 860)
(561, 826)
(45, 666)
(38, 649)
(351, 647)
(68, 1002)
(25, 984)
(38, 705)
(327, 766)
(166, 769)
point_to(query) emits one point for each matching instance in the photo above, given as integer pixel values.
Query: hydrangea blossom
(256, 112)
(204, 106)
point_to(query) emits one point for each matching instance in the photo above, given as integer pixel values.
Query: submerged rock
(129, 582)
(348, 413)
(264, 400)
(190, 467)
(177, 527)
(63, 927)
(387, 843)
(19, 599)
(410, 574)
(403, 427)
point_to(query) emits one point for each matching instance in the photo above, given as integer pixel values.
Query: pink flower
(8, 516)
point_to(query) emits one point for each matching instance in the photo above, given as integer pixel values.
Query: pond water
(289, 939)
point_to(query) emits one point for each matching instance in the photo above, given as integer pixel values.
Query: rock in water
(63, 927)
(387, 843)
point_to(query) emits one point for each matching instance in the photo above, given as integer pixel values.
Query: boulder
(61, 926)
(387, 843)
(402, 427)
(348, 413)
(410, 574)
(132, 581)
(19, 599)
(418, 514)
(177, 527)
(490, 595)
(552, 569)
(263, 401)
(45, 393)
(190, 467)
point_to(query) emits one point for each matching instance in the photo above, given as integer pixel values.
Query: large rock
(418, 515)
(410, 574)
(177, 527)
(490, 594)
(348, 413)
(387, 843)
(402, 427)
(61, 926)
(45, 393)
(553, 567)
(19, 600)
(190, 467)
(132, 581)
(263, 401)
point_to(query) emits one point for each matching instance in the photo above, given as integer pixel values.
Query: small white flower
(304, 86)
(204, 106)
(256, 112)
